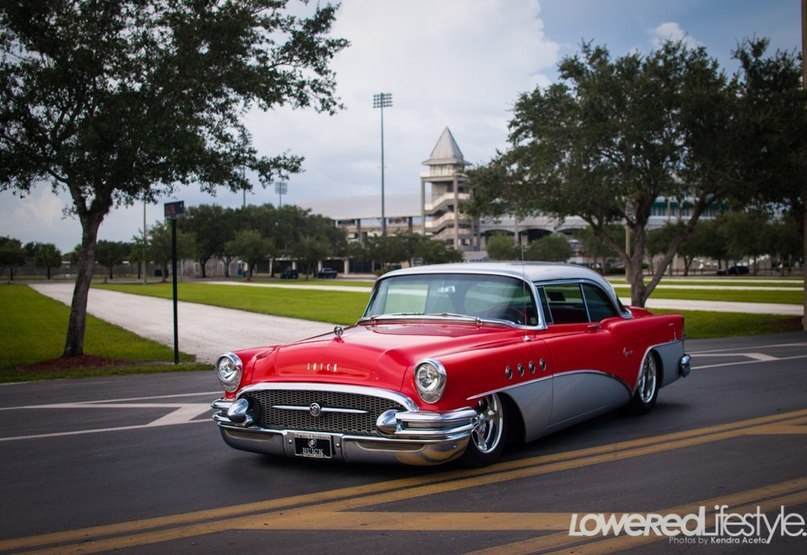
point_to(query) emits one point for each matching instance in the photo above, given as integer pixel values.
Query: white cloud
(671, 31)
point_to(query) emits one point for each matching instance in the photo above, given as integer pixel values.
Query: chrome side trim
(511, 387)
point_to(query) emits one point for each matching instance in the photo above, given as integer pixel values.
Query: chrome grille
(269, 415)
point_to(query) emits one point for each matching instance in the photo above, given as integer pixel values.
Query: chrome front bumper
(404, 437)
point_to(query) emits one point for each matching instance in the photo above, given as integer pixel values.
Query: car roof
(532, 271)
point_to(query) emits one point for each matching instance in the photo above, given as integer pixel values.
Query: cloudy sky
(459, 64)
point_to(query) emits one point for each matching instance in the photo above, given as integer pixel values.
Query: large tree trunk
(74, 344)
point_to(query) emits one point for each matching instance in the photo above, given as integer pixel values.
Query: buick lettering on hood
(452, 362)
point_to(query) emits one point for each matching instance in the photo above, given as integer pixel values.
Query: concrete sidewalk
(204, 331)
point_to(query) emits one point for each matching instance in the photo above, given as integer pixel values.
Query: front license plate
(314, 446)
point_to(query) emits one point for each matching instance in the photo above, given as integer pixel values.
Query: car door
(589, 358)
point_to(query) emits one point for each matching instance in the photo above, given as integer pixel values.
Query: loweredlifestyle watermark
(718, 527)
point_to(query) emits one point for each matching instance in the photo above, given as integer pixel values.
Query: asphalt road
(134, 464)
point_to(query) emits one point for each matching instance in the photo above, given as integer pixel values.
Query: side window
(566, 304)
(599, 304)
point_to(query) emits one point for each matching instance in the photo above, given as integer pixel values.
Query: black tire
(647, 386)
(490, 435)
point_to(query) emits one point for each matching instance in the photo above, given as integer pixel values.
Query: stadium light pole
(382, 100)
(281, 188)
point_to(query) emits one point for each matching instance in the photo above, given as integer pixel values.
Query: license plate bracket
(313, 446)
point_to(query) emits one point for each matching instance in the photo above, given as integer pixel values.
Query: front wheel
(647, 388)
(489, 436)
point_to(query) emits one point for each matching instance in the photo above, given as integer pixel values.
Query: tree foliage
(551, 248)
(45, 255)
(12, 254)
(252, 248)
(126, 100)
(501, 247)
(614, 135)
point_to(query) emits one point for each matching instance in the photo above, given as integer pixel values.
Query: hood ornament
(338, 331)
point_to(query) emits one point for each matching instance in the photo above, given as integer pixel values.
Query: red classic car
(452, 361)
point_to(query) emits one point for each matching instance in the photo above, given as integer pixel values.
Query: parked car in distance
(734, 271)
(289, 273)
(452, 361)
(327, 273)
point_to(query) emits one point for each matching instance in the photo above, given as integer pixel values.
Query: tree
(613, 136)
(501, 247)
(774, 134)
(251, 248)
(160, 246)
(783, 242)
(212, 226)
(47, 256)
(554, 248)
(111, 253)
(12, 254)
(596, 248)
(310, 250)
(127, 100)
(743, 233)
(432, 251)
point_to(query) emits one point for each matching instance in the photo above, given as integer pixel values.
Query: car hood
(376, 355)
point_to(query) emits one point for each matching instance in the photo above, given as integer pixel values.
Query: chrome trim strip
(509, 387)
(323, 409)
(403, 400)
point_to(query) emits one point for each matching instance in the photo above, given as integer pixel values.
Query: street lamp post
(382, 100)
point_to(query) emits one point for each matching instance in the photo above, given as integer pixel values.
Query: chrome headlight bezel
(430, 380)
(229, 370)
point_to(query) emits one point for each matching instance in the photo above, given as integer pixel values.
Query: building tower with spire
(440, 208)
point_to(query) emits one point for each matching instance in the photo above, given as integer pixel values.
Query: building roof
(445, 151)
(365, 207)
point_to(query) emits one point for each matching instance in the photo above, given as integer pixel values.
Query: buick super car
(452, 362)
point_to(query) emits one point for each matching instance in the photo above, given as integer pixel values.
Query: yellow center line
(149, 531)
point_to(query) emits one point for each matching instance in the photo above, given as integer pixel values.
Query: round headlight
(430, 380)
(229, 369)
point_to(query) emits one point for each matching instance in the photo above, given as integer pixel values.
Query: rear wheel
(489, 436)
(647, 388)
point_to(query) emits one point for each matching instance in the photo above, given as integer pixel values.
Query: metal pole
(382, 100)
(145, 260)
(804, 193)
(383, 215)
(174, 282)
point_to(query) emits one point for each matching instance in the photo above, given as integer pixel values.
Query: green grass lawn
(33, 329)
(757, 296)
(338, 307)
(707, 325)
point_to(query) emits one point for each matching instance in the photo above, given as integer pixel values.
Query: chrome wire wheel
(647, 385)
(646, 389)
(488, 434)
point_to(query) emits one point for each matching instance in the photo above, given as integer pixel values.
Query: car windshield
(485, 297)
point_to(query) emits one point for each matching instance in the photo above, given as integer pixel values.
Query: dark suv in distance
(289, 273)
(327, 273)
